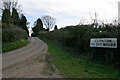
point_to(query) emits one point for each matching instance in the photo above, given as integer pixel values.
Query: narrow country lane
(27, 62)
(13, 57)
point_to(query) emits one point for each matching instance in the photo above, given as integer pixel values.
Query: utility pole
(119, 13)
(95, 20)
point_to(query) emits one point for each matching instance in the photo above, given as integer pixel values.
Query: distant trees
(12, 24)
(9, 4)
(55, 27)
(15, 17)
(48, 21)
(10, 14)
(23, 23)
(38, 26)
(6, 18)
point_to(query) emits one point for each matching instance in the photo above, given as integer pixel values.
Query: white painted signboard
(103, 42)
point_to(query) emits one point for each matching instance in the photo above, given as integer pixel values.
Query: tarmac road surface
(35, 47)
(28, 62)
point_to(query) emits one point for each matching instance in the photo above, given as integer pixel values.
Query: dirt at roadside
(35, 68)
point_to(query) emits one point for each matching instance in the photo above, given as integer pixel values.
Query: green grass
(13, 45)
(72, 67)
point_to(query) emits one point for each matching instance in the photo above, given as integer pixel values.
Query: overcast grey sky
(70, 12)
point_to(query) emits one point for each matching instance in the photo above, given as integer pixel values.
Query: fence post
(111, 55)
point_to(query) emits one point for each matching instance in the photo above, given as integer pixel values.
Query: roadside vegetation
(72, 67)
(13, 45)
(0, 37)
(76, 41)
(0, 24)
(14, 26)
(13, 38)
(72, 54)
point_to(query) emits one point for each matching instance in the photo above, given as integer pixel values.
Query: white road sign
(103, 42)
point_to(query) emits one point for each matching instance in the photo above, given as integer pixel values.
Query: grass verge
(72, 67)
(13, 45)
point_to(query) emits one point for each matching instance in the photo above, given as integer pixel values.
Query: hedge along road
(24, 62)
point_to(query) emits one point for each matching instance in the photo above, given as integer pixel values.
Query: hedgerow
(76, 39)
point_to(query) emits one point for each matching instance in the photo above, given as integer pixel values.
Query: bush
(8, 46)
(13, 34)
(77, 39)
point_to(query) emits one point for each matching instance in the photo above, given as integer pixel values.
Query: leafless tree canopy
(48, 21)
(9, 4)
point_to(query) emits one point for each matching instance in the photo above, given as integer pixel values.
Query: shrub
(8, 46)
(77, 39)
(13, 34)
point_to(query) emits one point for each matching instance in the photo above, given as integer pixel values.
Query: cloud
(68, 12)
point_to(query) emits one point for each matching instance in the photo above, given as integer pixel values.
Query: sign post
(108, 43)
(103, 42)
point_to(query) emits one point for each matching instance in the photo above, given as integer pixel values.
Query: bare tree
(48, 21)
(115, 21)
(82, 21)
(95, 20)
(10, 4)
